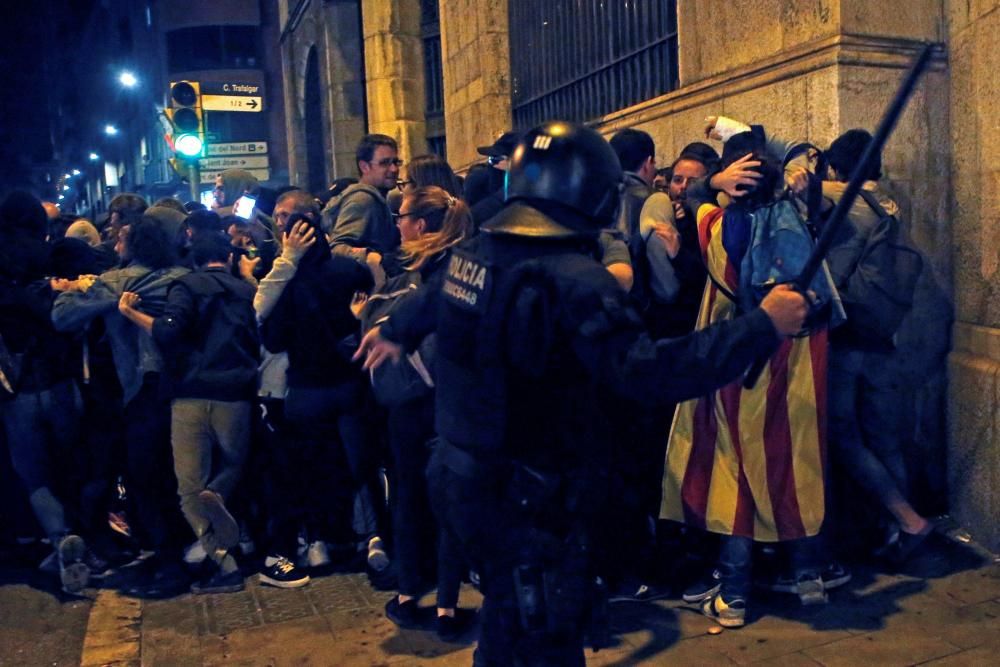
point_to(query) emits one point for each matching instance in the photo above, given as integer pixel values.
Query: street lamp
(110, 130)
(94, 157)
(76, 172)
(128, 79)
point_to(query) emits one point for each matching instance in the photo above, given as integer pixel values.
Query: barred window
(579, 60)
(430, 32)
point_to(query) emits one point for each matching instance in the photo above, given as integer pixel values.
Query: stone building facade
(806, 69)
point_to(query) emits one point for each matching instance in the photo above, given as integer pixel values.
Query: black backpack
(397, 383)
(879, 292)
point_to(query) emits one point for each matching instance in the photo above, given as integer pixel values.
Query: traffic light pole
(194, 177)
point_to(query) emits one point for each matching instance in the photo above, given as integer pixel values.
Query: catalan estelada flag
(750, 462)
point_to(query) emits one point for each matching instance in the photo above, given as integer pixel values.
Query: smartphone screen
(244, 207)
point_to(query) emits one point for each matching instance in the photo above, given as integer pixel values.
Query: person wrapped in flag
(748, 463)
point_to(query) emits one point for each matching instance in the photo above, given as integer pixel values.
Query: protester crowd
(190, 394)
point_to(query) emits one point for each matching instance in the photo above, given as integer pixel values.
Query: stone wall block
(822, 108)
(974, 455)
(780, 107)
(921, 19)
(805, 21)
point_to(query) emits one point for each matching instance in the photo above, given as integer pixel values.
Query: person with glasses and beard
(359, 222)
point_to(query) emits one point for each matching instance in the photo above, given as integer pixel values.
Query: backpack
(411, 378)
(879, 292)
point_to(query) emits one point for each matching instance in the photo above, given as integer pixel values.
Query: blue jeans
(864, 433)
(42, 428)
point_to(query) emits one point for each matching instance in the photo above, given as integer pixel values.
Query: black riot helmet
(569, 166)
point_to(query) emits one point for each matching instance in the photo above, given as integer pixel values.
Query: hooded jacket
(360, 218)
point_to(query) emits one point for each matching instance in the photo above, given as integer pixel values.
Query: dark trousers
(864, 430)
(338, 451)
(411, 429)
(469, 506)
(152, 485)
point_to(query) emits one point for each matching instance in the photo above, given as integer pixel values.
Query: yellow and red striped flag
(750, 462)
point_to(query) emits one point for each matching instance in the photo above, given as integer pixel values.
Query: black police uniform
(532, 331)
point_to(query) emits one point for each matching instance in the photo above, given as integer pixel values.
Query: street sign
(259, 174)
(232, 88)
(235, 162)
(231, 103)
(238, 148)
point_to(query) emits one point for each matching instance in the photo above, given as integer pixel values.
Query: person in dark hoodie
(208, 333)
(40, 404)
(324, 403)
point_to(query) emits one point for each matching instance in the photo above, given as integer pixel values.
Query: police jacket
(532, 331)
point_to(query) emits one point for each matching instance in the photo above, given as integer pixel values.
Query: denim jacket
(134, 351)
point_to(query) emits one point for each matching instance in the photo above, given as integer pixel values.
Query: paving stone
(772, 637)
(226, 612)
(881, 648)
(976, 657)
(335, 593)
(283, 604)
(968, 587)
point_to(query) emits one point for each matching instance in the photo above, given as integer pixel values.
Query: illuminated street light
(128, 79)
(110, 130)
(76, 172)
(65, 188)
(67, 176)
(94, 157)
(61, 198)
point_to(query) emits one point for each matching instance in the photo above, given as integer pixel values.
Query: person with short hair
(359, 221)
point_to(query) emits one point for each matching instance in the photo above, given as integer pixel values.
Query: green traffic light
(189, 145)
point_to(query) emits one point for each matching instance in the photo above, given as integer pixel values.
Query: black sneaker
(73, 571)
(703, 589)
(405, 615)
(640, 593)
(282, 573)
(453, 628)
(224, 526)
(219, 583)
(834, 575)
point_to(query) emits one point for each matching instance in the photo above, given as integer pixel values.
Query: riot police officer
(532, 330)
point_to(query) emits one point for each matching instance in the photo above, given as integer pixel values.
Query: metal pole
(194, 176)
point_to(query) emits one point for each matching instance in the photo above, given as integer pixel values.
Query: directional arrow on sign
(252, 103)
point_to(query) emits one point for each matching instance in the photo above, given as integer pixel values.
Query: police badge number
(467, 283)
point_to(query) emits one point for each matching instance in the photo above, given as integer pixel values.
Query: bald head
(51, 210)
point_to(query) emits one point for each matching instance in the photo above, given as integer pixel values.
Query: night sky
(34, 37)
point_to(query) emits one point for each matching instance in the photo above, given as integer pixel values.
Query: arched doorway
(315, 153)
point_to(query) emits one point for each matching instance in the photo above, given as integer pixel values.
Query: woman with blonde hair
(431, 221)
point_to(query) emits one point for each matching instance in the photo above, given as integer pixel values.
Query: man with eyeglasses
(359, 222)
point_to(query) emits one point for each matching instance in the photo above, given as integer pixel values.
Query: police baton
(858, 178)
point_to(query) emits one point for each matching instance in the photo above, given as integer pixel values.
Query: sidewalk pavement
(944, 610)
(952, 617)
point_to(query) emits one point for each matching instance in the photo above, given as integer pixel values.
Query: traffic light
(186, 114)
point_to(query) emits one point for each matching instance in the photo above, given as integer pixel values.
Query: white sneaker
(317, 554)
(378, 559)
(195, 553)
